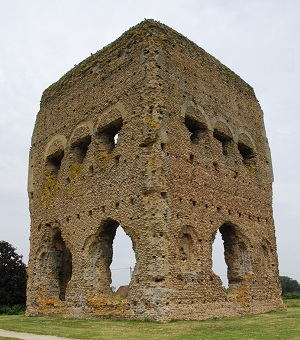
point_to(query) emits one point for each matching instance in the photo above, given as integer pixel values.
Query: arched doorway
(111, 256)
(236, 254)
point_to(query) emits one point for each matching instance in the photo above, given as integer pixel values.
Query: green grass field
(273, 325)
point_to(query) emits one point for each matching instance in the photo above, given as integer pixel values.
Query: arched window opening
(195, 128)
(109, 135)
(80, 148)
(247, 153)
(218, 260)
(53, 162)
(224, 139)
(123, 262)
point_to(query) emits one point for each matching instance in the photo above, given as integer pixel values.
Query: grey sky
(257, 39)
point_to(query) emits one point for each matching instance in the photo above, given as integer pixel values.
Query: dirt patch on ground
(29, 336)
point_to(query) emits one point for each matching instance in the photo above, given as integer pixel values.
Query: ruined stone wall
(155, 135)
(222, 180)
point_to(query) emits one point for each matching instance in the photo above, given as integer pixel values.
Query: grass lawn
(273, 325)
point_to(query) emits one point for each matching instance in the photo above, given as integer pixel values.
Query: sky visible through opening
(219, 264)
(123, 259)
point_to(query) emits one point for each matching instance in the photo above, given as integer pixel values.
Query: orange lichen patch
(241, 295)
(153, 160)
(49, 305)
(105, 158)
(153, 123)
(251, 167)
(248, 276)
(49, 188)
(52, 302)
(107, 307)
(74, 170)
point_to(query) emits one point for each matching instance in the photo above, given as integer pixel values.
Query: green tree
(289, 285)
(12, 276)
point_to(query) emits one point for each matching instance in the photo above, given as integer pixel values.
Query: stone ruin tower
(191, 158)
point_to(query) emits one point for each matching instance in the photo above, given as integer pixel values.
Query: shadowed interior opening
(55, 265)
(246, 152)
(224, 139)
(53, 162)
(109, 135)
(195, 128)
(80, 148)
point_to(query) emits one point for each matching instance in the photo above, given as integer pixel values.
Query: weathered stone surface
(191, 158)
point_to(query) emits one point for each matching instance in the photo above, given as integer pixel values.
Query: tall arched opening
(236, 248)
(112, 257)
(55, 265)
(219, 265)
(123, 261)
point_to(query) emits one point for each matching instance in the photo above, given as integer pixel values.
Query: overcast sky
(40, 40)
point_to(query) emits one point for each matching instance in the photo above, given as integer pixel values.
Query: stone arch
(80, 140)
(237, 255)
(54, 153)
(196, 121)
(56, 142)
(109, 126)
(100, 254)
(198, 113)
(223, 132)
(246, 146)
(54, 263)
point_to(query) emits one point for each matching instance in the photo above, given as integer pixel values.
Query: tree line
(290, 288)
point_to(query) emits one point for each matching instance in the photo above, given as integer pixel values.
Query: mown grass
(273, 325)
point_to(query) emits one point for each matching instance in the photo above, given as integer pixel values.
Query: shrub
(13, 310)
(291, 295)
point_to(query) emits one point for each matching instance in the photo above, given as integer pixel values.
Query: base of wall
(110, 308)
